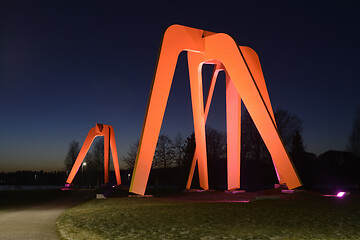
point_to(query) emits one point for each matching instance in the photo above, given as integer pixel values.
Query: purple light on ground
(68, 186)
(340, 194)
(229, 201)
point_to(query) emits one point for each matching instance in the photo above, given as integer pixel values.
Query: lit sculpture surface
(243, 78)
(109, 142)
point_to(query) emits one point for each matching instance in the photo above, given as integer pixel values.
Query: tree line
(32, 178)
(173, 156)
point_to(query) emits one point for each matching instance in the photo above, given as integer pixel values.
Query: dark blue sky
(66, 65)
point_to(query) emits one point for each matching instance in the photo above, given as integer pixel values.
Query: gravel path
(34, 222)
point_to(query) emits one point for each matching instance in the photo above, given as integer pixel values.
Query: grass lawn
(311, 217)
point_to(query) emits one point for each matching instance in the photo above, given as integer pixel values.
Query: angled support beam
(218, 67)
(195, 65)
(233, 113)
(175, 40)
(233, 131)
(254, 67)
(114, 155)
(106, 134)
(223, 47)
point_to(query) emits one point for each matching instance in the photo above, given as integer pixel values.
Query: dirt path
(34, 222)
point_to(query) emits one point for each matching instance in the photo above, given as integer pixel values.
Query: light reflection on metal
(107, 132)
(244, 78)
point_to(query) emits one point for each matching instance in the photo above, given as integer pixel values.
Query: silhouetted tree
(252, 145)
(164, 153)
(72, 154)
(130, 157)
(178, 147)
(255, 156)
(215, 144)
(288, 125)
(96, 157)
(354, 138)
(95, 161)
(189, 149)
(216, 155)
(297, 146)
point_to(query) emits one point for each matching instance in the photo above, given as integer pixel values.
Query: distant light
(84, 163)
(340, 194)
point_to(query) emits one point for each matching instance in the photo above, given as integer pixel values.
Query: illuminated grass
(153, 218)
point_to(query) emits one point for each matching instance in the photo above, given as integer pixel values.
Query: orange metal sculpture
(243, 78)
(109, 142)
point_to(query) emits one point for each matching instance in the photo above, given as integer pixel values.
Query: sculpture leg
(216, 71)
(233, 124)
(153, 118)
(244, 82)
(115, 155)
(254, 66)
(218, 68)
(194, 62)
(176, 39)
(84, 149)
(192, 171)
(106, 134)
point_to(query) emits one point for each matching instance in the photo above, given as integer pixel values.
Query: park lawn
(157, 218)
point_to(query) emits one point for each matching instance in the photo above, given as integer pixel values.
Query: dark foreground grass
(15, 199)
(156, 218)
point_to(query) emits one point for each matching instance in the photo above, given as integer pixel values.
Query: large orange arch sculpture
(107, 132)
(243, 78)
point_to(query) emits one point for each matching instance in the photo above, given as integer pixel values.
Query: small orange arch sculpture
(244, 82)
(107, 132)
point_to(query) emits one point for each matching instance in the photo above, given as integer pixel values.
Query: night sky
(66, 65)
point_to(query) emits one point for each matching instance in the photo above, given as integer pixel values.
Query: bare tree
(164, 153)
(253, 147)
(297, 146)
(189, 149)
(178, 147)
(288, 125)
(354, 138)
(96, 157)
(130, 157)
(215, 144)
(72, 154)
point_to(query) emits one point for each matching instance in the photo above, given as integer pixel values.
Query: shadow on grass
(25, 198)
